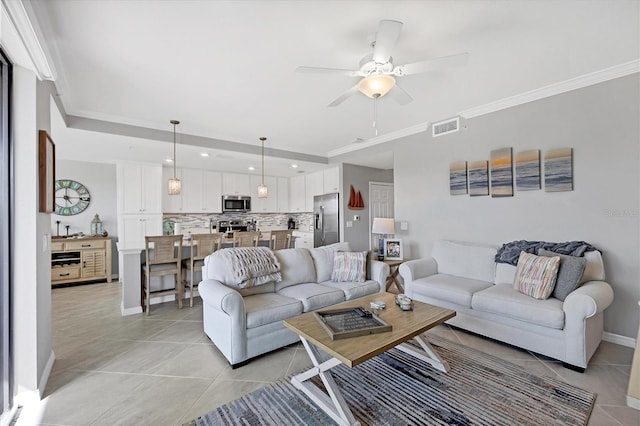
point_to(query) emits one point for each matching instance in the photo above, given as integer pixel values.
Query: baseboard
(130, 311)
(7, 418)
(619, 340)
(27, 398)
(633, 402)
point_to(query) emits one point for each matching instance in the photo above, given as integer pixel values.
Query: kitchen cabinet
(331, 180)
(282, 199)
(171, 203)
(235, 184)
(297, 194)
(201, 191)
(313, 187)
(133, 228)
(80, 260)
(303, 239)
(139, 188)
(264, 205)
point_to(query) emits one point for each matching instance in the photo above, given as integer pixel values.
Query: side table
(394, 266)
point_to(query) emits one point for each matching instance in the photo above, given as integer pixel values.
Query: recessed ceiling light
(295, 166)
(300, 171)
(204, 154)
(251, 168)
(169, 160)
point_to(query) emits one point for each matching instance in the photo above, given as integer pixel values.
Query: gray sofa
(245, 323)
(465, 277)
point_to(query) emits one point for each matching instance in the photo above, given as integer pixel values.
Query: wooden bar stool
(202, 245)
(163, 257)
(246, 239)
(281, 239)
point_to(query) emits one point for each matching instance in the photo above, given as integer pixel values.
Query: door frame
(371, 183)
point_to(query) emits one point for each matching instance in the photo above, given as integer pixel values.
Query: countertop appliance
(326, 228)
(236, 203)
(291, 224)
(231, 226)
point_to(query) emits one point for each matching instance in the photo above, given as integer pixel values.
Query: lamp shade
(174, 186)
(383, 225)
(376, 85)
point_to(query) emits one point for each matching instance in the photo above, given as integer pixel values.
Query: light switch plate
(404, 225)
(356, 217)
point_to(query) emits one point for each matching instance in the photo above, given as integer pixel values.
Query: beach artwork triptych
(478, 178)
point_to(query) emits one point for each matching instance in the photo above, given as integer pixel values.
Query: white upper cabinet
(313, 187)
(297, 194)
(282, 199)
(192, 191)
(236, 184)
(212, 192)
(264, 205)
(331, 180)
(201, 192)
(139, 188)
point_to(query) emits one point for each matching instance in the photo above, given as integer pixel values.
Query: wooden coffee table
(406, 325)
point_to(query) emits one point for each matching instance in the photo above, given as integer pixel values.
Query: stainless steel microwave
(236, 203)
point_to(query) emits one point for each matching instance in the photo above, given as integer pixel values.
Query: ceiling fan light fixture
(377, 85)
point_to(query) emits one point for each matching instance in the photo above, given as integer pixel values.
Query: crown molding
(19, 18)
(407, 131)
(579, 82)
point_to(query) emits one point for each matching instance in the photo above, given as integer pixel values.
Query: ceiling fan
(377, 70)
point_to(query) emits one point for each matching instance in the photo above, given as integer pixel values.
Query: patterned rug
(397, 389)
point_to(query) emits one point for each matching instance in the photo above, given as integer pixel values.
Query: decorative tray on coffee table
(351, 322)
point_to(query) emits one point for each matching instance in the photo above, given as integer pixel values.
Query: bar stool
(163, 257)
(281, 239)
(246, 239)
(202, 245)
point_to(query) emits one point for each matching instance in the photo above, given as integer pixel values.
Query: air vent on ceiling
(444, 127)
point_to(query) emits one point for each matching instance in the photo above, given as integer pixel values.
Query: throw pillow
(569, 273)
(536, 275)
(349, 266)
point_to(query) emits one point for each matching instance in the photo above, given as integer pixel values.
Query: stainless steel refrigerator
(326, 221)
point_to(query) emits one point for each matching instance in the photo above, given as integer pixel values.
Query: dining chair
(281, 239)
(202, 245)
(246, 239)
(163, 255)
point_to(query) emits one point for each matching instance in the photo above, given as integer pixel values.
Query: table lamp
(382, 226)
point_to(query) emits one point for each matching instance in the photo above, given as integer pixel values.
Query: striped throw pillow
(536, 275)
(349, 266)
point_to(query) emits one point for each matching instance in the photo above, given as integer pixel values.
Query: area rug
(397, 389)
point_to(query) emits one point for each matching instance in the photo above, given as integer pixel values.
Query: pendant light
(263, 192)
(174, 183)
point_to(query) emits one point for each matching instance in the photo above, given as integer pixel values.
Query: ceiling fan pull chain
(375, 114)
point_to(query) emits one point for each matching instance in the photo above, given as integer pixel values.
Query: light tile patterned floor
(162, 369)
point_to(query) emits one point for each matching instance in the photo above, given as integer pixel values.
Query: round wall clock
(71, 197)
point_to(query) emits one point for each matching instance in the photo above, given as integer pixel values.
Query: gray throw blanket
(510, 252)
(251, 266)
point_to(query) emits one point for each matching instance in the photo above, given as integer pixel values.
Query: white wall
(100, 180)
(600, 123)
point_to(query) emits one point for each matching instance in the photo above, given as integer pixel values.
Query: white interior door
(380, 204)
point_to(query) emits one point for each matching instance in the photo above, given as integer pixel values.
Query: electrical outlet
(349, 224)
(404, 225)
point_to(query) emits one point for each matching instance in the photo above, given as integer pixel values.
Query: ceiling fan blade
(400, 95)
(340, 99)
(320, 70)
(433, 64)
(388, 33)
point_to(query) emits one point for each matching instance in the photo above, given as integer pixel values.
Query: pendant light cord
(174, 122)
(262, 139)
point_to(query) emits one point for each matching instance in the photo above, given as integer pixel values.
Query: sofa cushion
(296, 267)
(466, 260)
(266, 308)
(458, 290)
(505, 273)
(569, 273)
(323, 259)
(536, 275)
(594, 270)
(349, 266)
(353, 290)
(503, 299)
(313, 296)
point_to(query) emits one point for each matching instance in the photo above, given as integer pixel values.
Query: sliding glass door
(6, 198)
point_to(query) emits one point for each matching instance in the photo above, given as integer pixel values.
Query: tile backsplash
(267, 221)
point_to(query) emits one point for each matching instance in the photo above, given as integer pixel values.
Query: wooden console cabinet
(78, 260)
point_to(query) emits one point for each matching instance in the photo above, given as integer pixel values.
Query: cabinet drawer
(56, 246)
(80, 245)
(65, 273)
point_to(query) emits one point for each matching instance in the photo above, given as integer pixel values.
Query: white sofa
(245, 323)
(465, 277)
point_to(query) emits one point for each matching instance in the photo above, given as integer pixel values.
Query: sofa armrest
(380, 272)
(222, 298)
(411, 270)
(588, 300)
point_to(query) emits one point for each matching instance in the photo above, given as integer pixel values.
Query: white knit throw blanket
(252, 266)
